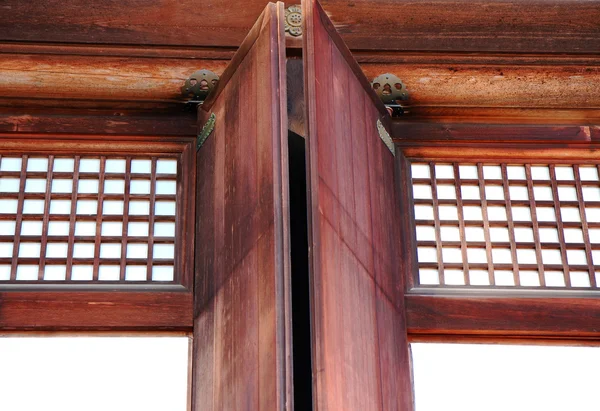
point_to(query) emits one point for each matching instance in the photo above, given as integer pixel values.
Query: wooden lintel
(455, 88)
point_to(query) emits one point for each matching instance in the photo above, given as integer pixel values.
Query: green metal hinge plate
(206, 130)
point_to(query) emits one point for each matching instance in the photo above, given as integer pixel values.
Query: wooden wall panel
(241, 347)
(360, 356)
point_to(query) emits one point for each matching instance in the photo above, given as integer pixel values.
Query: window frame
(89, 307)
(467, 314)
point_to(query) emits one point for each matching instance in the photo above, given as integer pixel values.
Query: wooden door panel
(360, 350)
(241, 335)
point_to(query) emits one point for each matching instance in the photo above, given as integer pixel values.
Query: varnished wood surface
(414, 133)
(553, 26)
(84, 122)
(242, 331)
(82, 309)
(544, 315)
(360, 351)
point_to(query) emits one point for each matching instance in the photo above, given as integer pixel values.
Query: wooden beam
(442, 87)
(523, 26)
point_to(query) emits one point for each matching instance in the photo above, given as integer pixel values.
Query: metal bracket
(385, 137)
(293, 20)
(206, 130)
(392, 92)
(199, 85)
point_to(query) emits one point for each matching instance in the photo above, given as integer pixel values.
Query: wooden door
(360, 352)
(241, 333)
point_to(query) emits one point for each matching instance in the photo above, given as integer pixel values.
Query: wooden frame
(117, 306)
(495, 313)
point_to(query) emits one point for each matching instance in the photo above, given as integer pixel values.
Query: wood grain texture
(360, 350)
(530, 315)
(406, 133)
(242, 319)
(93, 123)
(86, 309)
(552, 26)
(542, 88)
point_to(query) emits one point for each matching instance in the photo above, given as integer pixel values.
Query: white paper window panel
(475, 377)
(69, 373)
(554, 224)
(57, 184)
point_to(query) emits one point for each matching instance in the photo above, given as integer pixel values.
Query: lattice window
(507, 225)
(88, 218)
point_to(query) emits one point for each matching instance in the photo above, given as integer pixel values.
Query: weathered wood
(553, 26)
(441, 87)
(40, 76)
(360, 350)
(515, 86)
(242, 320)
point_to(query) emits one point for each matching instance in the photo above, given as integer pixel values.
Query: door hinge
(199, 85)
(392, 92)
(206, 130)
(385, 137)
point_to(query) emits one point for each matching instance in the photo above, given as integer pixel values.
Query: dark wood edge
(281, 205)
(405, 132)
(407, 220)
(28, 121)
(263, 20)
(311, 7)
(573, 317)
(312, 195)
(93, 144)
(96, 310)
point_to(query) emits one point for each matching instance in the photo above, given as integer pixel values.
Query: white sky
(479, 377)
(93, 373)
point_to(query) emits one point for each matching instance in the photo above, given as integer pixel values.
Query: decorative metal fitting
(199, 85)
(293, 20)
(389, 88)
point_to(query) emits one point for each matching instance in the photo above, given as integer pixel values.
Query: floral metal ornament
(293, 20)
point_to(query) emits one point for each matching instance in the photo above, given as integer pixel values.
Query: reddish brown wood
(499, 26)
(360, 351)
(584, 226)
(541, 314)
(164, 307)
(242, 330)
(88, 122)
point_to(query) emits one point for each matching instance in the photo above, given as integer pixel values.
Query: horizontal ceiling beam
(519, 26)
(441, 86)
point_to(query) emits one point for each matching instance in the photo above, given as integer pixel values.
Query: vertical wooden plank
(511, 225)
(461, 222)
(360, 349)
(73, 218)
(46, 218)
(486, 224)
(242, 251)
(436, 223)
(584, 226)
(99, 217)
(536, 229)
